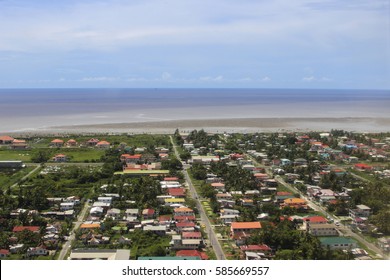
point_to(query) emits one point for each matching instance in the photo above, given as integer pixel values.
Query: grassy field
(24, 156)
(81, 155)
(10, 178)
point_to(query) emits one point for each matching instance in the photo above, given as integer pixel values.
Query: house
(130, 158)
(92, 142)
(57, 143)
(64, 206)
(105, 199)
(178, 243)
(183, 211)
(4, 140)
(34, 229)
(159, 230)
(113, 213)
(338, 243)
(361, 211)
(247, 227)
(14, 249)
(323, 230)
(192, 253)
(103, 145)
(191, 235)
(19, 145)
(228, 219)
(297, 203)
(363, 167)
(96, 211)
(131, 212)
(99, 254)
(314, 220)
(148, 213)
(4, 253)
(177, 192)
(384, 244)
(71, 143)
(218, 186)
(90, 226)
(37, 251)
(60, 158)
(185, 226)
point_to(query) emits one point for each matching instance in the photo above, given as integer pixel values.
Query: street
(209, 229)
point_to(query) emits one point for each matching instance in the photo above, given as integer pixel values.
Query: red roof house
(192, 253)
(30, 228)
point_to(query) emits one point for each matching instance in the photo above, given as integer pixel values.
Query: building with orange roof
(130, 158)
(71, 143)
(183, 211)
(247, 227)
(6, 140)
(19, 144)
(297, 203)
(90, 226)
(57, 143)
(103, 145)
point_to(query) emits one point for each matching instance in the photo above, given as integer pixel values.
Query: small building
(60, 158)
(5, 139)
(99, 254)
(338, 243)
(37, 251)
(247, 227)
(103, 145)
(57, 143)
(148, 213)
(92, 142)
(64, 206)
(19, 145)
(4, 253)
(361, 211)
(71, 143)
(34, 229)
(323, 230)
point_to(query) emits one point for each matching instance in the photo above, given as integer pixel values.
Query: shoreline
(243, 125)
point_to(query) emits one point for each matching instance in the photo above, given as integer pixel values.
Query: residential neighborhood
(195, 195)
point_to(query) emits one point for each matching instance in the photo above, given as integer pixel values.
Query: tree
(40, 156)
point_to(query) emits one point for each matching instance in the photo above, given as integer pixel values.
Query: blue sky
(195, 43)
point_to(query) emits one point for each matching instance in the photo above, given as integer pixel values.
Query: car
(337, 223)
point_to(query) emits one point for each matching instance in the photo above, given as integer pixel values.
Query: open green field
(81, 155)
(10, 178)
(24, 156)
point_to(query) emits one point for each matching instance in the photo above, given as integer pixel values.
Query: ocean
(39, 109)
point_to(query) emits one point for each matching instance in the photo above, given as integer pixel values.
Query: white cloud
(99, 79)
(212, 79)
(266, 79)
(166, 76)
(315, 79)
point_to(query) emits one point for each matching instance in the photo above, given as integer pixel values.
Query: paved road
(209, 229)
(67, 245)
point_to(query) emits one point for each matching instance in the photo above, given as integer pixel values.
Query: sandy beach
(244, 125)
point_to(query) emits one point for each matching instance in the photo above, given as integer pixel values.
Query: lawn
(82, 155)
(24, 156)
(8, 178)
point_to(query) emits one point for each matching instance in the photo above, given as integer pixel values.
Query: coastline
(243, 125)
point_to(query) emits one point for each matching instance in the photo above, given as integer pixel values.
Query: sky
(327, 44)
